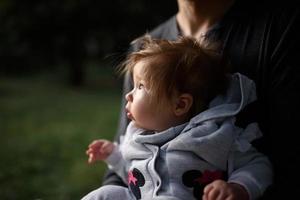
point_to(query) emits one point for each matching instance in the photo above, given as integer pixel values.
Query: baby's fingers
(96, 144)
(206, 191)
(89, 151)
(91, 158)
(107, 148)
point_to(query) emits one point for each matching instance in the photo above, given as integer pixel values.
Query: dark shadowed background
(59, 90)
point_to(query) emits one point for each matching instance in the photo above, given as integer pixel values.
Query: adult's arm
(284, 104)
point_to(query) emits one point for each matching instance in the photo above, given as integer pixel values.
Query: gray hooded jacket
(177, 163)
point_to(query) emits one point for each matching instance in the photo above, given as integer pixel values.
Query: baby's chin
(138, 125)
(147, 128)
(141, 126)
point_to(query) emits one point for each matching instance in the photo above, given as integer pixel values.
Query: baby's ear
(183, 104)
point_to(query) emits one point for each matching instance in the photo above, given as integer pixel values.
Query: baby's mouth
(129, 115)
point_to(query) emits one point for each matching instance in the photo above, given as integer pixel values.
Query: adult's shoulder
(265, 4)
(285, 13)
(166, 30)
(275, 20)
(281, 25)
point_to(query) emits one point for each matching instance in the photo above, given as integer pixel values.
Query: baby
(182, 141)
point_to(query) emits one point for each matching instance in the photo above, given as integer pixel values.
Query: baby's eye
(140, 86)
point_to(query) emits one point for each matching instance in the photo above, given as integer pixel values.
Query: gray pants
(109, 192)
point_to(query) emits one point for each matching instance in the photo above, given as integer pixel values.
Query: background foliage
(58, 89)
(39, 34)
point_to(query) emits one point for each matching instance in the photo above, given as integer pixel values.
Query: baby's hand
(220, 189)
(99, 150)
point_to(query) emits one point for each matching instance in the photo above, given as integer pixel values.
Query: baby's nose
(128, 96)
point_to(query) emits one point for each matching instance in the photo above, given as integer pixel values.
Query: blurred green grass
(45, 127)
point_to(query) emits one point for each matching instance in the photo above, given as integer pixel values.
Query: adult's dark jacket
(261, 40)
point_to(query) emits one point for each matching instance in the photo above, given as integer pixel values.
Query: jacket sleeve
(116, 163)
(249, 168)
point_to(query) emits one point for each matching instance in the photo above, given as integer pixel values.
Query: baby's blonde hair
(182, 66)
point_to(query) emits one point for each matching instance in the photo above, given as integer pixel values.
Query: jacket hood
(211, 134)
(240, 92)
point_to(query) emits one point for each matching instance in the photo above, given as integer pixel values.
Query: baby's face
(142, 108)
